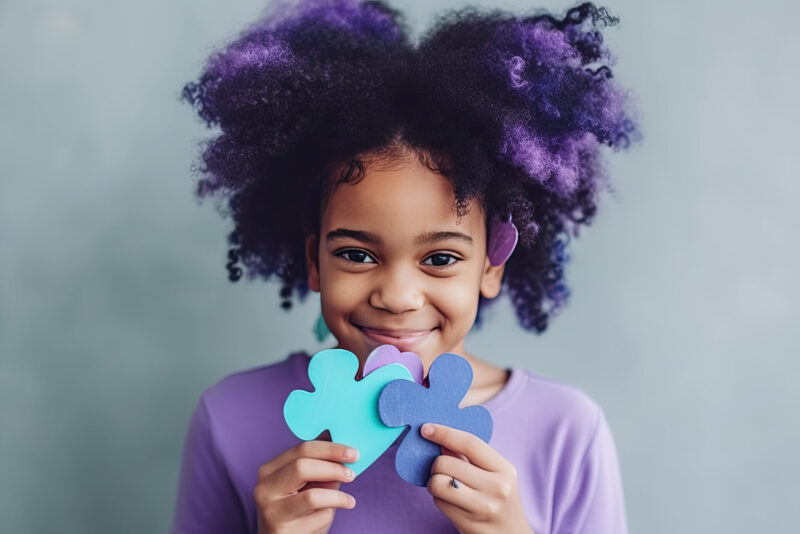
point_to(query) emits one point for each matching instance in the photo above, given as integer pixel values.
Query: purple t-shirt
(554, 434)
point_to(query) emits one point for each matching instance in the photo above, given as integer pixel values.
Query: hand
(298, 490)
(487, 497)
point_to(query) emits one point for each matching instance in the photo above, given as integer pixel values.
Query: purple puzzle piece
(386, 354)
(403, 402)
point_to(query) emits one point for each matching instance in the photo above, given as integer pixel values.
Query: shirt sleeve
(207, 500)
(596, 504)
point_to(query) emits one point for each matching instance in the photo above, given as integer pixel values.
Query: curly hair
(511, 110)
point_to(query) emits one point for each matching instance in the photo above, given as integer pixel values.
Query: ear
(492, 279)
(312, 262)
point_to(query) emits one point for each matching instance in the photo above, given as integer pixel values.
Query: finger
(461, 519)
(327, 485)
(305, 502)
(464, 496)
(299, 506)
(462, 471)
(474, 448)
(321, 450)
(448, 452)
(316, 521)
(296, 474)
(451, 510)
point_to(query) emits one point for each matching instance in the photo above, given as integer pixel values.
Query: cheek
(340, 291)
(458, 298)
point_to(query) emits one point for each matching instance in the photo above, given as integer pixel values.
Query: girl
(386, 176)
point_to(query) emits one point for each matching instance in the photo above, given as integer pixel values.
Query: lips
(396, 333)
(403, 339)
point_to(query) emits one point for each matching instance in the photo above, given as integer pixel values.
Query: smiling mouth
(402, 339)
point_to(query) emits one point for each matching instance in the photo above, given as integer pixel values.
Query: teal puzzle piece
(344, 406)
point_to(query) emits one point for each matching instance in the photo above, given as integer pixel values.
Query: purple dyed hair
(512, 110)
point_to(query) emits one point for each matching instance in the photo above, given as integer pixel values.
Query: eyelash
(341, 253)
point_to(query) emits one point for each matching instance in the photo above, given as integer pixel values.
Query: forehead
(400, 203)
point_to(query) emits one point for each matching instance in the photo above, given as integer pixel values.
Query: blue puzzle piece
(405, 403)
(344, 406)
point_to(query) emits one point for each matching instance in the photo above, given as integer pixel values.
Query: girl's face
(393, 265)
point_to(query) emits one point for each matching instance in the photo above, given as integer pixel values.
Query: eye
(440, 260)
(354, 255)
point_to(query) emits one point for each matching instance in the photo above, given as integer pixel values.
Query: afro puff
(511, 110)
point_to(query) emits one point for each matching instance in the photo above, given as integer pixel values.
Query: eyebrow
(422, 239)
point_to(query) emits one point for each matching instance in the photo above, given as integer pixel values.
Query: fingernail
(349, 473)
(351, 454)
(427, 429)
(352, 501)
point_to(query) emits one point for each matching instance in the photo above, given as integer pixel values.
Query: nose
(397, 291)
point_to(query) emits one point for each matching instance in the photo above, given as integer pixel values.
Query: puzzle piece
(344, 406)
(405, 403)
(386, 354)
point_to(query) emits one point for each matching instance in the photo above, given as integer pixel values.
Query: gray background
(115, 309)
